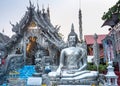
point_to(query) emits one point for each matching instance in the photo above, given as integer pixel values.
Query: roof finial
(12, 24)
(30, 3)
(43, 9)
(37, 6)
(31, 6)
(48, 11)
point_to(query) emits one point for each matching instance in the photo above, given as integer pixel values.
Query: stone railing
(12, 62)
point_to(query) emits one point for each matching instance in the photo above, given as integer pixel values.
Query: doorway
(31, 49)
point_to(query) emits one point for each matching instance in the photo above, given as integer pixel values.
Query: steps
(26, 71)
(23, 74)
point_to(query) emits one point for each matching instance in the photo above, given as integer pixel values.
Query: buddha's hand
(58, 73)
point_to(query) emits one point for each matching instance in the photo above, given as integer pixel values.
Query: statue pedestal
(78, 78)
(82, 82)
(34, 81)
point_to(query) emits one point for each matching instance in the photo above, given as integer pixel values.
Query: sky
(62, 13)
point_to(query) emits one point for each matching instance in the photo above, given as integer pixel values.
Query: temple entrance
(31, 48)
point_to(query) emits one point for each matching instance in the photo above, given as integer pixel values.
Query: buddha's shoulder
(65, 49)
(70, 49)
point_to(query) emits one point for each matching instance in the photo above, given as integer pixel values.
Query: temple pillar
(24, 48)
(25, 41)
(109, 81)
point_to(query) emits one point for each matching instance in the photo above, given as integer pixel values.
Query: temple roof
(90, 39)
(40, 17)
(112, 21)
(112, 16)
(42, 20)
(4, 38)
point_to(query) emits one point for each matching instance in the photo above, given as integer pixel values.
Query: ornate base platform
(75, 82)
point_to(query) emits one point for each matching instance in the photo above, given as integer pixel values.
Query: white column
(25, 51)
(109, 81)
(24, 42)
(116, 81)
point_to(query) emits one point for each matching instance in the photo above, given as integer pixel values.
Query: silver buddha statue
(73, 62)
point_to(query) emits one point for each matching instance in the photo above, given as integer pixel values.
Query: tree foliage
(93, 67)
(113, 10)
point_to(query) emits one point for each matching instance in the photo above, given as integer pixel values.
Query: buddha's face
(72, 41)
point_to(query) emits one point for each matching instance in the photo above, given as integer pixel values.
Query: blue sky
(63, 13)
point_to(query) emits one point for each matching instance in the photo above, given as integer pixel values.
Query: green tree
(113, 10)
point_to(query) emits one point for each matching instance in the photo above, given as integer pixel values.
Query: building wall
(90, 41)
(90, 50)
(115, 32)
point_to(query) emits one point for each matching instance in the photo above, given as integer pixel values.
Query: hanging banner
(109, 49)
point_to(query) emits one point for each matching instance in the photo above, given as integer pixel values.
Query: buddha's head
(72, 37)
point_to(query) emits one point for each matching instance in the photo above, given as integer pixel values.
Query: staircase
(26, 71)
(20, 76)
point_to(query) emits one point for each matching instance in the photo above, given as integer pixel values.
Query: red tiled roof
(90, 39)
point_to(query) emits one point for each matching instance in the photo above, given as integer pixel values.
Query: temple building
(34, 37)
(34, 32)
(111, 19)
(89, 39)
(35, 51)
